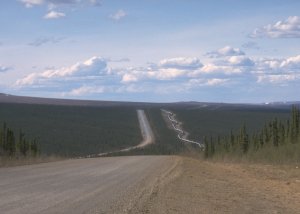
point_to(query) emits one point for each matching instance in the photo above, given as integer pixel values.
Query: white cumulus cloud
(240, 61)
(280, 78)
(206, 82)
(289, 28)
(53, 5)
(120, 14)
(83, 90)
(54, 15)
(166, 73)
(130, 77)
(278, 70)
(225, 51)
(215, 81)
(212, 68)
(31, 3)
(94, 76)
(181, 63)
(95, 66)
(291, 62)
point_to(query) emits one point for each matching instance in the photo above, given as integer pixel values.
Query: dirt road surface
(95, 185)
(149, 184)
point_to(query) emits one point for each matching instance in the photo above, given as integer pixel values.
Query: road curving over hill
(146, 131)
(93, 185)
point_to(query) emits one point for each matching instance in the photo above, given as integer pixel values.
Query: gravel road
(149, 184)
(148, 136)
(145, 129)
(95, 185)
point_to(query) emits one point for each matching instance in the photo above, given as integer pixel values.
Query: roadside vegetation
(16, 148)
(244, 132)
(12, 145)
(277, 142)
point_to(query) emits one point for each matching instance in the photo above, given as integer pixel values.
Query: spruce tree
(34, 147)
(11, 144)
(206, 148)
(256, 142)
(294, 125)
(244, 139)
(212, 147)
(275, 135)
(232, 139)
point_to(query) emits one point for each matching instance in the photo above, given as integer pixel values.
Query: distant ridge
(7, 98)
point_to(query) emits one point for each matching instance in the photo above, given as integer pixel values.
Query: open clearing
(149, 184)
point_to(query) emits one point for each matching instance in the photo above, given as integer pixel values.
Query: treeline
(274, 134)
(13, 145)
(72, 131)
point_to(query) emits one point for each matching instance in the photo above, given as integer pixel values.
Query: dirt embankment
(206, 187)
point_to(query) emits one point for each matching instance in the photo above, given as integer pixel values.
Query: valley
(138, 158)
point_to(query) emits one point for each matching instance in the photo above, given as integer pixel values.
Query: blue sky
(208, 50)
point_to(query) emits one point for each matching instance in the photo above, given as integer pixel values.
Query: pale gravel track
(146, 131)
(94, 185)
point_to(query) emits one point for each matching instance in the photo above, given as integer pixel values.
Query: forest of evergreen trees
(12, 145)
(274, 134)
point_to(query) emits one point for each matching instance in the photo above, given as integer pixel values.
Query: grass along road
(208, 187)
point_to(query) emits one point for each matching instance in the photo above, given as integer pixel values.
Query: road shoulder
(207, 187)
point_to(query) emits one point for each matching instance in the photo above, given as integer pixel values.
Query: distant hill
(82, 127)
(7, 98)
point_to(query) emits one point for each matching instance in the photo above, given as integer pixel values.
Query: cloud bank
(169, 75)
